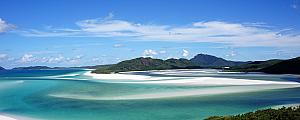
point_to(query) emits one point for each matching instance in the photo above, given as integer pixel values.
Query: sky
(94, 32)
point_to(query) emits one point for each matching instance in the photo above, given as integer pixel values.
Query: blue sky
(90, 32)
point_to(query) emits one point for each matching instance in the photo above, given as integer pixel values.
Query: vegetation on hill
(290, 113)
(255, 66)
(291, 66)
(141, 64)
(209, 60)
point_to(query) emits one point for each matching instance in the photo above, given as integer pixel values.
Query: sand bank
(144, 79)
(2, 117)
(177, 93)
(223, 86)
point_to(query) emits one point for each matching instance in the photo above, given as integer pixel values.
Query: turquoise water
(32, 94)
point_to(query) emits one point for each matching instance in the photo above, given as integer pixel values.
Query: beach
(2, 117)
(216, 85)
(139, 95)
(144, 79)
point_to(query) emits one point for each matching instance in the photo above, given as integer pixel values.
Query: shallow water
(68, 94)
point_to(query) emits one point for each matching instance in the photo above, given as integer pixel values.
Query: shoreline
(285, 105)
(222, 85)
(4, 117)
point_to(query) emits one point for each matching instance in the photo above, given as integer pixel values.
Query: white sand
(124, 77)
(2, 117)
(143, 79)
(225, 86)
(180, 93)
(61, 76)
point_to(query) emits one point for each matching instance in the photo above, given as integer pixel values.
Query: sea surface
(70, 95)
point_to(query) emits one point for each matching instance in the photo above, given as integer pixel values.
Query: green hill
(255, 66)
(213, 61)
(142, 64)
(290, 113)
(291, 66)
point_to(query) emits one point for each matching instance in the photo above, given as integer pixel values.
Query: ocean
(170, 95)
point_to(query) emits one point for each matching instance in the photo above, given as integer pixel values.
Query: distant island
(255, 66)
(205, 60)
(32, 68)
(290, 66)
(142, 64)
(42, 68)
(275, 66)
(289, 113)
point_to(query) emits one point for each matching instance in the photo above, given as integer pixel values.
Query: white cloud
(162, 52)
(109, 16)
(294, 6)
(118, 45)
(231, 54)
(74, 60)
(233, 34)
(149, 53)
(118, 59)
(185, 53)
(57, 59)
(3, 56)
(97, 60)
(4, 27)
(27, 58)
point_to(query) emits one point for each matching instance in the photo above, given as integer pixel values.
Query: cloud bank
(4, 27)
(233, 34)
(185, 53)
(149, 53)
(57, 59)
